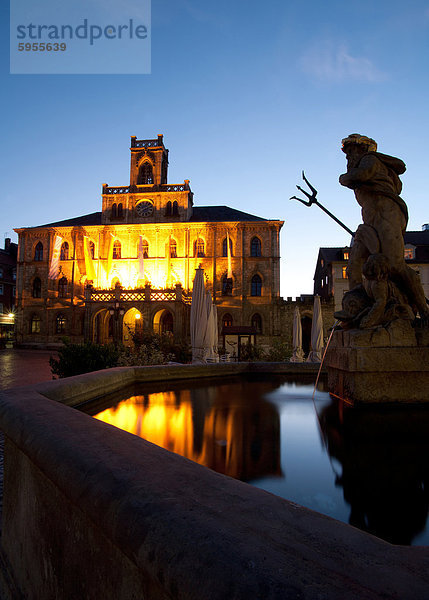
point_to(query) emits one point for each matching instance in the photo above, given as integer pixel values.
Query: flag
(55, 260)
(141, 259)
(111, 241)
(89, 265)
(169, 262)
(228, 253)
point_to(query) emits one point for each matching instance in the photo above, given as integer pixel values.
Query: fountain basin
(91, 511)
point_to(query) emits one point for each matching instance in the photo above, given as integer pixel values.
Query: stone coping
(83, 388)
(194, 532)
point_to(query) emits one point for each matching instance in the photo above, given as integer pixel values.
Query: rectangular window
(346, 255)
(344, 272)
(1, 289)
(408, 253)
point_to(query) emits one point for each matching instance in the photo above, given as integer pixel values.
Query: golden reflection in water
(239, 439)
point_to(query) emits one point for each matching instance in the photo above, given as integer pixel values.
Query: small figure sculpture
(378, 301)
(374, 178)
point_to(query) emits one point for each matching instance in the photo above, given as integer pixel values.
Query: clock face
(144, 209)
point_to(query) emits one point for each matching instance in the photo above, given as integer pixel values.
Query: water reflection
(366, 467)
(231, 429)
(384, 456)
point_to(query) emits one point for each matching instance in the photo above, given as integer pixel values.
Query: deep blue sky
(247, 95)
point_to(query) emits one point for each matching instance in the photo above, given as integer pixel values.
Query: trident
(312, 200)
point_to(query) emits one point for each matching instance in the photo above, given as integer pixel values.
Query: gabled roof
(417, 238)
(91, 219)
(200, 214)
(332, 254)
(221, 213)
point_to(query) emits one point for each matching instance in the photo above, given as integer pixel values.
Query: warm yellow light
(138, 316)
(11, 315)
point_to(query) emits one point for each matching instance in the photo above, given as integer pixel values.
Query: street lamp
(116, 310)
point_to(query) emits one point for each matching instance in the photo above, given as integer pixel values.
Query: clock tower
(148, 198)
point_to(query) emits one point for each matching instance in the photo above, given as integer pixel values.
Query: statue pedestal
(380, 365)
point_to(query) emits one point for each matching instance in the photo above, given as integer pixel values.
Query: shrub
(279, 351)
(75, 359)
(252, 353)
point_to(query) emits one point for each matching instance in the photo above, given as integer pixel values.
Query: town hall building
(132, 265)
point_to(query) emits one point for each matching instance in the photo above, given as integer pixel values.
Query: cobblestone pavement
(24, 367)
(21, 367)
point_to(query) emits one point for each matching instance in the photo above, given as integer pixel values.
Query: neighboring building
(133, 264)
(7, 289)
(330, 277)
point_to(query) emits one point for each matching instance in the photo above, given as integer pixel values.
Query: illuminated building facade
(132, 265)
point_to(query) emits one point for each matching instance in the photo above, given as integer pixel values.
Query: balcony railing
(135, 189)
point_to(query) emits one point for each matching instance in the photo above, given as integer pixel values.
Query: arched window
(92, 249)
(120, 211)
(256, 323)
(168, 209)
(35, 324)
(256, 286)
(117, 249)
(199, 247)
(64, 252)
(227, 284)
(60, 323)
(173, 249)
(145, 174)
(62, 287)
(175, 209)
(224, 248)
(37, 288)
(114, 211)
(255, 247)
(145, 248)
(226, 320)
(38, 251)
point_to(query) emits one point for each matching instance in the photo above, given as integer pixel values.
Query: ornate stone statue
(374, 178)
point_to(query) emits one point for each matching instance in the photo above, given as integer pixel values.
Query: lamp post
(117, 311)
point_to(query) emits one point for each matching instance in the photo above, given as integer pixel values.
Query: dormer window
(346, 255)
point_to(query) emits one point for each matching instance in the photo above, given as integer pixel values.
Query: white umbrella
(199, 317)
(315, 355)
(298, 354)
(211, 337)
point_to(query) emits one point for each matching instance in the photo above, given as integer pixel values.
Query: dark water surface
(367, 467)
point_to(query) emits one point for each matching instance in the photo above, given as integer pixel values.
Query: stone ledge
(83, 388)
(85, 495)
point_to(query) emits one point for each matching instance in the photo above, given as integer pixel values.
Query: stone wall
(94, 512)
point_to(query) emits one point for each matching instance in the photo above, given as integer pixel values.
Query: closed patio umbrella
(199, 317)
(315, 355)
(298, 354)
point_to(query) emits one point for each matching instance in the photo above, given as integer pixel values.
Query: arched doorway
(306, 323)
(163, 322)
(133, 326)
(102, 330)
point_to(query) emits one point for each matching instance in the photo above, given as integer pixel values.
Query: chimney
(7, 244)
